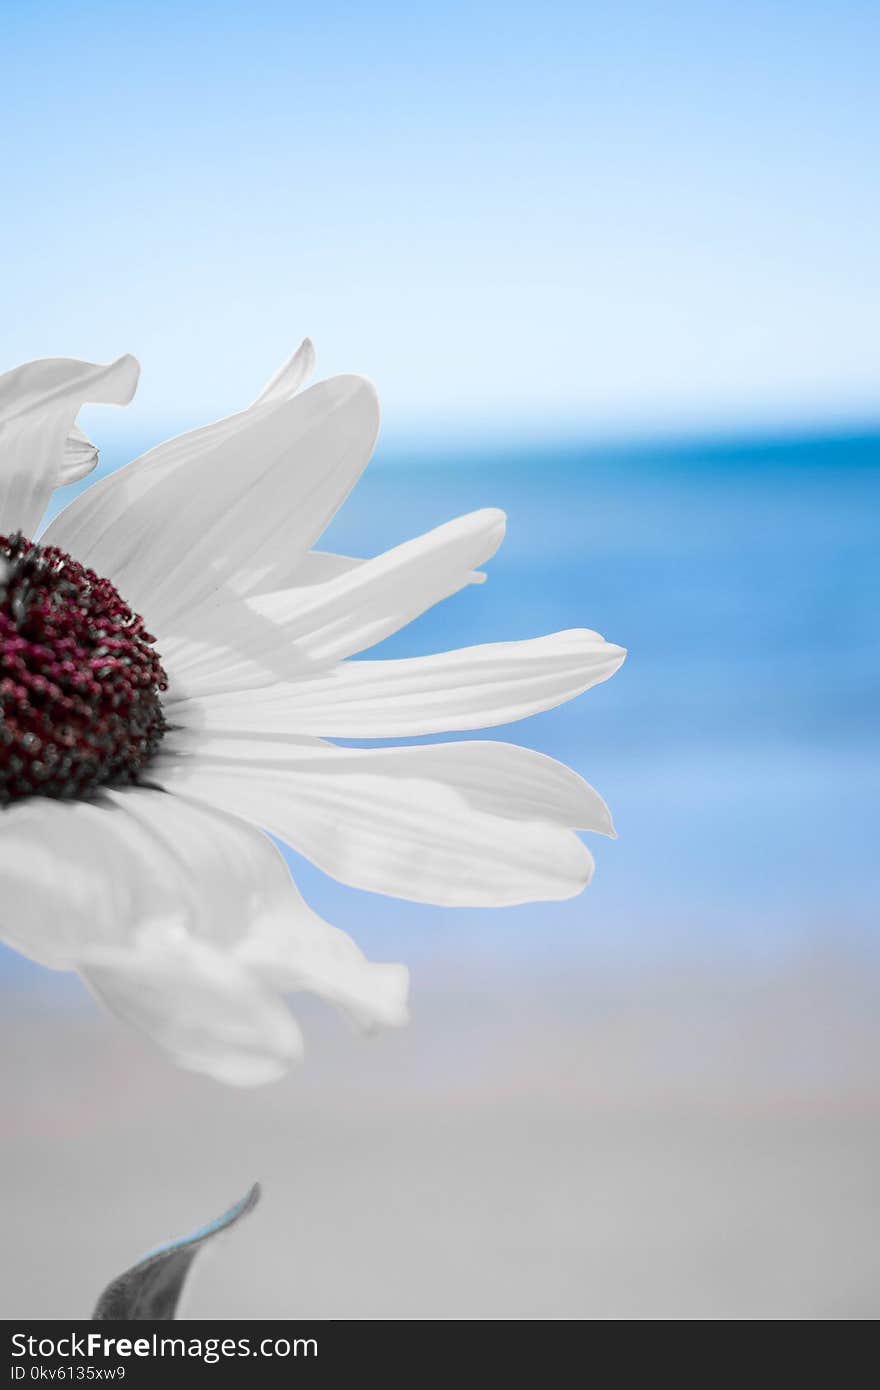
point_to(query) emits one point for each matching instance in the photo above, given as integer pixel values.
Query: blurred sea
(739, 746)
(679, 1067)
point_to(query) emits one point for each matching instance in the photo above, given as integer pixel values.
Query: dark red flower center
(80, 680)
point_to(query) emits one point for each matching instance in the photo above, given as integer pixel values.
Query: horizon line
(430, 444)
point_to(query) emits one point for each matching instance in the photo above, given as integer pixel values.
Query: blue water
(739, 746)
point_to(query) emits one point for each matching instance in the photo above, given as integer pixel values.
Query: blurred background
(615, 270)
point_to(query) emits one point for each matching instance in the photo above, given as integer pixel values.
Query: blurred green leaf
(151, 1289)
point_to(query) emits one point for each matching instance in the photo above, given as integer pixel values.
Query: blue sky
(529, 220)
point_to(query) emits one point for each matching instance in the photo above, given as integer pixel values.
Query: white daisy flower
(143, 758)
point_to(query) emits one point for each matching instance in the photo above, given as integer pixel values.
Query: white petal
(290, 376)
(38, 405)
(75, 874)
(317, 566)
(359, 609)
(227, 509)
(419, 823)
(80, 457)
(81, 873)
(323, 960)
(503, 779)
(467, 689)
(198, 1005)
(186, 922)
(275, 637)
(108, 502)
(243, 899)
(244, 657)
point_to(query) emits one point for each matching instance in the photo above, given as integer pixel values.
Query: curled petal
(80, 457)
(39, 403)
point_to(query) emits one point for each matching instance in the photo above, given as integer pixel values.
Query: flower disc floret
(80, 679)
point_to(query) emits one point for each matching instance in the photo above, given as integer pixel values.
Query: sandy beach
(682, 1143)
